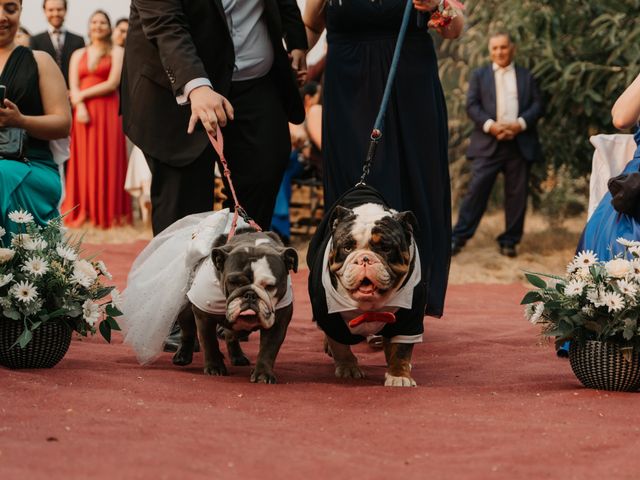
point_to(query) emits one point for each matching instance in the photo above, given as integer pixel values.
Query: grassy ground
(543, 249)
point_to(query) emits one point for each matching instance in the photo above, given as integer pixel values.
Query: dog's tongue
(247, 313)
(367, 287)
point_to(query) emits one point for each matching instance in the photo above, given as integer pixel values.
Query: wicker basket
(49, 344)
(601, 365)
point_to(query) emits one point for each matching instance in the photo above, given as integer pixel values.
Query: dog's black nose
(250, 296)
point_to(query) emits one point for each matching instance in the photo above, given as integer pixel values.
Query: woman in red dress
(97, 167)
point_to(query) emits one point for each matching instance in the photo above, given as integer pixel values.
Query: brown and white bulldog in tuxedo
(243, 286)
(365, 279)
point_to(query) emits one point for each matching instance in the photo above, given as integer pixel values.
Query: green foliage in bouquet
(43, 279)
(595, 301)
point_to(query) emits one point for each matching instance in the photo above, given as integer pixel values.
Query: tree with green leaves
(583, 54)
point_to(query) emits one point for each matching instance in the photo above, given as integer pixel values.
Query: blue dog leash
(376, 133)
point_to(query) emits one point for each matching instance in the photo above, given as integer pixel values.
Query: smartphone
(3, 92)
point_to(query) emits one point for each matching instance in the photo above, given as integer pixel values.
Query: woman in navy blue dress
(411, 168)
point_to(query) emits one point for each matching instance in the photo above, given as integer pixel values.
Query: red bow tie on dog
(386, 317)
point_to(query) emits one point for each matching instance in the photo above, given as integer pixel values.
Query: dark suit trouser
(256, 147)
(484, 170)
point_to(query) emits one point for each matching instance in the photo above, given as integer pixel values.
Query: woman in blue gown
(606, 224)
(37, 101)
(411, 168)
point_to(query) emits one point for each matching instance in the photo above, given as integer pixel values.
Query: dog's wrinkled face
(253, 269)
(370, 256)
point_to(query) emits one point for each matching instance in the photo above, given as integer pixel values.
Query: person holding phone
(36, 101)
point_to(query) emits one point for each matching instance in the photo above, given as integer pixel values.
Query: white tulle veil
(161, 276)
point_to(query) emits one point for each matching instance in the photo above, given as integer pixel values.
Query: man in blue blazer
(505, 105)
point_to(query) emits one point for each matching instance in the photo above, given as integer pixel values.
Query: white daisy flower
(24, 291)
(571, 267)
(39, 244)
(618, 267)
(533, 312)
(103, 269)
(627, 243)
(582, 274)
(594, 295)
(21, 240)
(84, 273)
(20, 216)
(588, 310)
(586, 258)
(6, 254)
(5, 279)
(613, 301)
(627, 288)
(36, 266)
(117, 298)
(537, 313)
(90, 312)
(2, 232)
(66, 253)
(635, 251)
(574, 288)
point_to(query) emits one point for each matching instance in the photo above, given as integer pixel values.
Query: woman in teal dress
(36, 101)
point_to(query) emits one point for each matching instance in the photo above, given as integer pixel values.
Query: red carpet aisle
(491, 403)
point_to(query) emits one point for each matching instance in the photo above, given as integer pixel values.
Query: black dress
(411, 166)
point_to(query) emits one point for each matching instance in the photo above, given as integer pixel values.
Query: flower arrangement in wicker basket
(596, 306)
(46, 292)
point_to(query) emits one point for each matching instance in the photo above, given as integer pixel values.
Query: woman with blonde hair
(97, 166)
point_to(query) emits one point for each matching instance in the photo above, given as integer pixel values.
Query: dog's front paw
(349, 371)
(391, 381)
(218, 370)
(183, 356)
(261, 376)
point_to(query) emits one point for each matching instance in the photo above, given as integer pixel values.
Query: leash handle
(217, 142)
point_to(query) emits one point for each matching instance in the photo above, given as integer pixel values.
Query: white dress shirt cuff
(487, 125)
(191, 85)
(522, 123)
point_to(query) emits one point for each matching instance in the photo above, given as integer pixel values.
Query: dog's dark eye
(348, 249)
(270, 288)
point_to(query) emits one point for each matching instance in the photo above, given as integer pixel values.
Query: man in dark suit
(207, 62)
(57, 41)
(505, 105)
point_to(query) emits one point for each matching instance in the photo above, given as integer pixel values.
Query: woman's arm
(313, 19)
(74, 76)
(56, 121)
(314, 125)
(111, 84)
(626, 111)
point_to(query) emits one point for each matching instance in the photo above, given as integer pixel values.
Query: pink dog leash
(238, 210)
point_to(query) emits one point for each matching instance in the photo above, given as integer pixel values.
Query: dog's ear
(219, 256)
(339, 214)
(290, 258)
(408, 221)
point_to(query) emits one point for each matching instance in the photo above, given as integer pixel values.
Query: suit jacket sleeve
(534, 110)
(475, 110)
(292, 25)
(164, 23)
